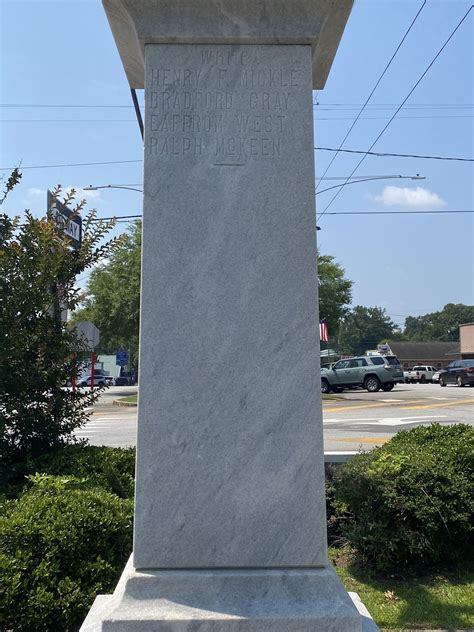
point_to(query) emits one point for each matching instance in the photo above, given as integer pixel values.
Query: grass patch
(442, 599)
(132, 399)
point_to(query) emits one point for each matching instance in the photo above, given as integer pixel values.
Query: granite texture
(230, 445)
(368, 624)
(136, 23)
(227, 601)
(230, 525)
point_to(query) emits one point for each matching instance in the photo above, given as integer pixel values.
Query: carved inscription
(229, 107)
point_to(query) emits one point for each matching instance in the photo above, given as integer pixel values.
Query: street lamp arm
(111, 186)
(337, 186)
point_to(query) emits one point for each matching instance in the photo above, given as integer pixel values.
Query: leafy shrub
(38, 351)
(61, 543)
(112, 469)
(410, 502)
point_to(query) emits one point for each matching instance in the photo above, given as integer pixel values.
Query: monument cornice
(318, 23)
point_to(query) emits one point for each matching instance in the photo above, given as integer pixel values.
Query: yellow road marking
(361, 440)
(358, 406)
(454, 402)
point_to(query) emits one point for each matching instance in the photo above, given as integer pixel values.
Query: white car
(99, 380)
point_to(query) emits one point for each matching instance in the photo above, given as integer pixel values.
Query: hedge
(62, 542)
(410, 502)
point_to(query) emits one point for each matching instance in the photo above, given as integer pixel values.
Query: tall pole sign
(63, 216)
(91, 335)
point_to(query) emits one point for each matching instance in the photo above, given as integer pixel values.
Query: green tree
(363, 328)
(335, 292)
(37, 349)
(440, 326)
(112, 300)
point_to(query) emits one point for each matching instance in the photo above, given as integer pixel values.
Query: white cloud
(35, 193)
(406, 197)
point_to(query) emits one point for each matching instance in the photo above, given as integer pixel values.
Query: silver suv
(371, 372)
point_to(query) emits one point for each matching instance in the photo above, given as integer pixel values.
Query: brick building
(466, 338)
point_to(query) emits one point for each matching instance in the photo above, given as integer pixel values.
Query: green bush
(62, 542)
(112, 469)
(410, 503)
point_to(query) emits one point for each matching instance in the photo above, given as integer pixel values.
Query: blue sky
(62, 53)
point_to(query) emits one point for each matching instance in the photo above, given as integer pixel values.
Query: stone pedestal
(230, 525)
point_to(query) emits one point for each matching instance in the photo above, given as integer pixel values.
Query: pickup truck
(422, 373)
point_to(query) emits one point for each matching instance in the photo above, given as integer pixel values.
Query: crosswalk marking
(380, 404)
(453, 402)
(112, 416)
(384, 421)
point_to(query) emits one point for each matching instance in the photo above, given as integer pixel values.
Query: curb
(117, 402)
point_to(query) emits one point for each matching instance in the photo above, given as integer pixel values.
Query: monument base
(280, 600)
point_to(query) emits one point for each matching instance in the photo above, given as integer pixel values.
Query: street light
(111, 186)
(398, 177)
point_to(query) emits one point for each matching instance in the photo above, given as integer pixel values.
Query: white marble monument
(230, 525)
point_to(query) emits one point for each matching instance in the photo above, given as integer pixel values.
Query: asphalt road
(357, 420)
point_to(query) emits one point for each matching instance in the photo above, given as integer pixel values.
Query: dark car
(122, 381)
(460, 372)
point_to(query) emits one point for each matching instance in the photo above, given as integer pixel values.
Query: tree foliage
(113, 296)
(38, 351)
(441, 326)
(335, 292)
(363, 328)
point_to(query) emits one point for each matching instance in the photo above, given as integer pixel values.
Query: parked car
(99, 380)
(122, 381)
(422, 373)
(460, 372)
(406, 375)
(370, 372)
(435, 376)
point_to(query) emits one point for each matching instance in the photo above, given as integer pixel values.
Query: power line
(384, 118)
(61, 105)
(375, 87)
(331, 107)
(377, 153)
(125, 219)
(351, 151)
(117, 217)
(73, 164)
(319, 105)
(62, 120)
(318, 118)
(429, 212)
(402, 103)
(121, 218)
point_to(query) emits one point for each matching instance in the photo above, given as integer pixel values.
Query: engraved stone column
(230, 525)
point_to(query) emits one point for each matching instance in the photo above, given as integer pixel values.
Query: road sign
(63, 216)
(121, 358)
(89, 332)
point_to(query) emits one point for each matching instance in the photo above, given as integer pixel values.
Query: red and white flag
(323, 331)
